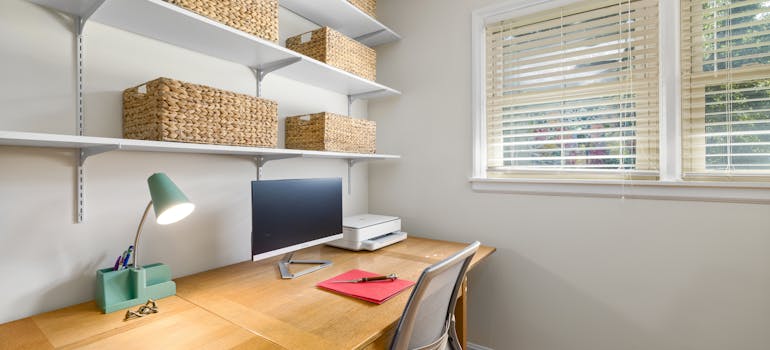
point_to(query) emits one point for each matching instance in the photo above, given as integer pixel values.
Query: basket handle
(305, 37)
(139, 89)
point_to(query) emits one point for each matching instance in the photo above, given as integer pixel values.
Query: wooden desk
(179, 325)
(249, 306)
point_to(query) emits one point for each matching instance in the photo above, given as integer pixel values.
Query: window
(574, 92)
(640, 98)
(725, 88)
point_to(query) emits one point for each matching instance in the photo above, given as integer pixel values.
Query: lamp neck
(138, 232)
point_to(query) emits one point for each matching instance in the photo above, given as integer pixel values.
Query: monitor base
(283, 265)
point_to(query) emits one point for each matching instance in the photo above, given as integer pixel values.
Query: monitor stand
(283, 265)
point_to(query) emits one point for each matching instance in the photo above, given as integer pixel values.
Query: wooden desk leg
(461, 315)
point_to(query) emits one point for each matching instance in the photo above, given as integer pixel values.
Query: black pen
(391, 277)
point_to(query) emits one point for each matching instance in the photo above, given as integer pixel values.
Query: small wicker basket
(170, 110)
(368, 6)
(330, 46)
(257, 17)
(330, 132)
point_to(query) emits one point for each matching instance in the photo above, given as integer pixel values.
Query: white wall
(46, 260)
(569, 273)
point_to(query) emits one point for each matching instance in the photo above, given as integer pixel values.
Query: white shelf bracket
(261, 160)
(80, 22)
(92, 151)
(353, 97)
(82, 156)
(262, 71)
(361, 38)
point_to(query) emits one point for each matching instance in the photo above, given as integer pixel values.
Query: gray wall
(569, 273)
(46, 260)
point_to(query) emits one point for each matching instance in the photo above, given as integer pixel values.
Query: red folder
(375, 291)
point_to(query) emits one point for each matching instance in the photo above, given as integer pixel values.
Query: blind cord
(730, 83)
(563, 87)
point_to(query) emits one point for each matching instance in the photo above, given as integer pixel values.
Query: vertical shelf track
(80, 23)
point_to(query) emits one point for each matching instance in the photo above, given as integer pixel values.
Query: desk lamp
(171, 205)
(122, 288)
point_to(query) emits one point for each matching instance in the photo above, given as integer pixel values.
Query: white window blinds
(726, 88)
(574, 91)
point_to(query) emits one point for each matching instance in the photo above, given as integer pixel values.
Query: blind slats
(599, 76)
(709, 7)
(561, 119)
(575, 148)
(576, 13)
(601, 157)
(562, 141)
(537, 54)
(605, 28)
(560, 168)
(593, 91)
(571, 133)
(725, 87)
(717, 35)
(722, 26)
(583, 57)
(574, 88)
(603, 67)
(569, 125)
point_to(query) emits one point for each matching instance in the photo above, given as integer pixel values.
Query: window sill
(757, 193)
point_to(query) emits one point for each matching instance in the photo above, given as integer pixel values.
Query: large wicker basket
(330, 132)
(368, 6)
(257, 17)
(170, 110)
(330, 46)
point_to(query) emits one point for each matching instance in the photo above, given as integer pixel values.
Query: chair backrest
(430, 308)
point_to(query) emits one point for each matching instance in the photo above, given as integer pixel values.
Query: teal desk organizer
(117, 290)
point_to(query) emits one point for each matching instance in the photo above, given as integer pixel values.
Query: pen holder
(117, 290)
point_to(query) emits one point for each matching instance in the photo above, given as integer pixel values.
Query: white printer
(369, 232)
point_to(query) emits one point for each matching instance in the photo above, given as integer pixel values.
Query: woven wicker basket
(170, 110)
(330, 132)
(368, 6)
(330, 46)
(258, 17)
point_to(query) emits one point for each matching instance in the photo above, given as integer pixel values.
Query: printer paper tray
(371, 244)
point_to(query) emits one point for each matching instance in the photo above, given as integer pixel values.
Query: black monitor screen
(287, 215)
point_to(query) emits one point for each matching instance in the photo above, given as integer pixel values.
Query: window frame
(670, 185)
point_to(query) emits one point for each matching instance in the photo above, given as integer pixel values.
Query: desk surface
(247, 305)
(180, 325)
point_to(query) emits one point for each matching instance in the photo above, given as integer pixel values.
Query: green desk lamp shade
(171, 205)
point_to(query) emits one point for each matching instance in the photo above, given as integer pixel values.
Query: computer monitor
(288, 215)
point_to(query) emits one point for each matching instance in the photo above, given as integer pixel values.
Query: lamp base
(117, 290)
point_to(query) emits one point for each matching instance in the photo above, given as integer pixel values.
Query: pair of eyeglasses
(148, 308)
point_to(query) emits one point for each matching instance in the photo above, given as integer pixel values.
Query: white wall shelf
(90, 146)
(343, 17)
(27, 139)
(174, 25)
(159, 20)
